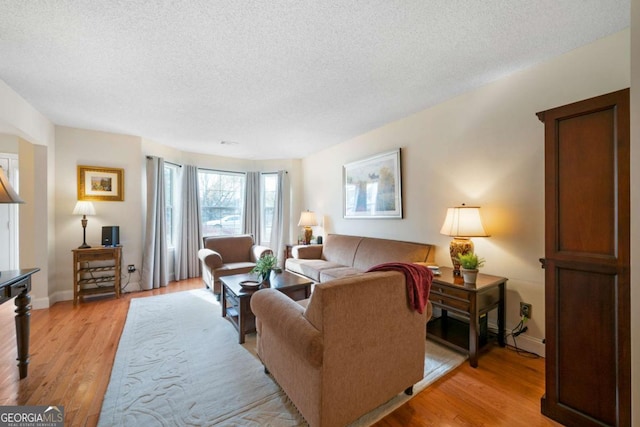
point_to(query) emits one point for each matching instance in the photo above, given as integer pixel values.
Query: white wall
(482, 148)
(18, 117)
(76, 147)
(36, 216)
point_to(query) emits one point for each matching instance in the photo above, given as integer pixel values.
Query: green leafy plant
(264, 266)
(470, 261)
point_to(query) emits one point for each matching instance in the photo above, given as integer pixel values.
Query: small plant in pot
(264, 266)
(469, 265)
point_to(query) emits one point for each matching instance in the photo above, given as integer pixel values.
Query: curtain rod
(166, 161)
(224, 171)
(213, 170)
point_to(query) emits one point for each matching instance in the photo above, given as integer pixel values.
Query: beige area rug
(179, 364)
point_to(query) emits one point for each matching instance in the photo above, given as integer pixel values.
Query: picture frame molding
(88, 173)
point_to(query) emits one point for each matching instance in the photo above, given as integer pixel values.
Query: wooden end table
(236, 300)
(473, 302)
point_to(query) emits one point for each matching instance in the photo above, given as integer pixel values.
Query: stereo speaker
(111, 235)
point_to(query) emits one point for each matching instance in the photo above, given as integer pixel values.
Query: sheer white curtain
(279, 233)
(189, 235)
(155, 271)
(251, 223)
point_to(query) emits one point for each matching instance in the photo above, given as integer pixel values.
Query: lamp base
(84, 234)
(462, 246)
(308, 232)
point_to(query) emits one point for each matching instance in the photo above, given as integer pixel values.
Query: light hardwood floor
(72, 350)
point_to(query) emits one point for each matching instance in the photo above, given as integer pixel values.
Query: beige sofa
(342, 256)
(356, 345)
(227, 255)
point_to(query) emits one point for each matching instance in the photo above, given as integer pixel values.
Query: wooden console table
(96, 271)
(472, 302)
(17, 283)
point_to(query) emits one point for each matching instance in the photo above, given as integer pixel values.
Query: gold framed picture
(100, 184)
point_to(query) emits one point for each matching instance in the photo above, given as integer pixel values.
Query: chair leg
(409, 391)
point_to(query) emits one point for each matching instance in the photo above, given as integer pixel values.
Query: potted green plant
(264, 265)
(469, 265)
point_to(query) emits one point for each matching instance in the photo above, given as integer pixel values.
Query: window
(221, 202)
(268, 189)
(171, 210)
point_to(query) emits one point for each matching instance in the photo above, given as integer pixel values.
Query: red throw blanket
(418, 280)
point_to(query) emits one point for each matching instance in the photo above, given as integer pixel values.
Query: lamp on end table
(84, 209)
(462, 223)
(307, 220)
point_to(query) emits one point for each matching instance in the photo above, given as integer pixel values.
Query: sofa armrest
(307, 251)
(211, 259)
(284, 318)
(258, 252)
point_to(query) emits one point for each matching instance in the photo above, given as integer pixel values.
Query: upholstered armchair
(228, 255)
(355, 345)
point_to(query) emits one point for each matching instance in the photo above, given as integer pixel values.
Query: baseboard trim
(59, 296)
(40, 303)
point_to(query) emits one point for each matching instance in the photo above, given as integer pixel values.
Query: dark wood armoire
(587, 249)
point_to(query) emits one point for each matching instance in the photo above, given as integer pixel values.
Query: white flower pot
(469, 276)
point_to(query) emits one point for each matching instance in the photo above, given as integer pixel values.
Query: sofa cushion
(341, 249)
(311, 268)
(235, 268)
(338, 273)
(372, 251)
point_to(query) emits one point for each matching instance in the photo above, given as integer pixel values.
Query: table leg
(501, 317)
(223, 301)
(242, 321)
(474, 328)
(23, 318)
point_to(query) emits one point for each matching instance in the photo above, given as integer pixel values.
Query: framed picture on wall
(372, 187)
(100, 184)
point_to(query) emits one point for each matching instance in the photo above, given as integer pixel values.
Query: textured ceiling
(280, 79)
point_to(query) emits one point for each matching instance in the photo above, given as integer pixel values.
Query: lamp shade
(307, 219)
(84, 208)
(463, 221)
(7, 193)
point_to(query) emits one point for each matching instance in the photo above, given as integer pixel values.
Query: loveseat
(342, 256)
(356, 344)
(228, 255)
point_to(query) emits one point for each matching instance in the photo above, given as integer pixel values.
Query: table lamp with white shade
(462, 223)
(84, 209)
(307, 220)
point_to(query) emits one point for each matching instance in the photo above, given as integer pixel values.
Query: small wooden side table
(451, 294)
(96, 271)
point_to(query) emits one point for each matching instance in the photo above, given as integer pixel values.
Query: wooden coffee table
(236, 300)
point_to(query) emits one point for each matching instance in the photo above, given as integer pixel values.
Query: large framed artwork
(372, 187)
(100, 184)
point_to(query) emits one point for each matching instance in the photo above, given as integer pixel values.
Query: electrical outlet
(525, 310)
(131, 268)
